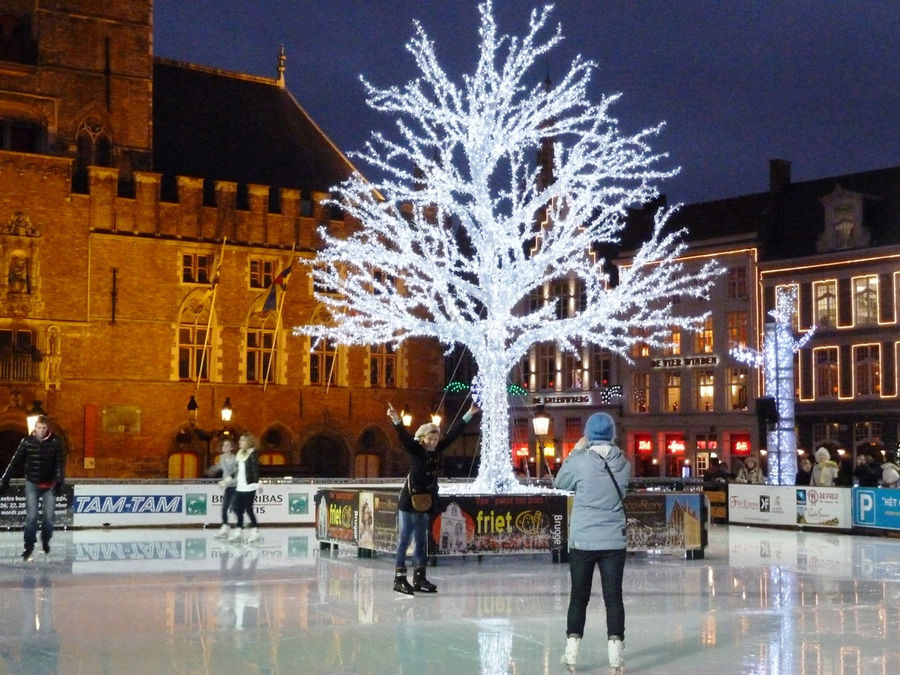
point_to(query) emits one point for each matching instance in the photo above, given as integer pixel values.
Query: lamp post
(406, 416)
(541, 424)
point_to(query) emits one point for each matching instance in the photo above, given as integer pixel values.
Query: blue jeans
(412, 523)
(33, 493)
(581, 572)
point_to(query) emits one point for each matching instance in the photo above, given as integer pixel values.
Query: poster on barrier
(499, 524)
(12, 507)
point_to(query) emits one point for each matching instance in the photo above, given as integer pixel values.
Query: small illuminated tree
(448, 244)
(777, 361)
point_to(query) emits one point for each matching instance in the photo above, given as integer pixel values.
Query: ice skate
(420, 583)
(570, 655)
(401, 585)
(616, 656)
(235, 535)
(223, 532)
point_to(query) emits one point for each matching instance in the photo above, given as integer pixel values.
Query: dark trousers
(242, 503)
(581, 572)
(227, 499)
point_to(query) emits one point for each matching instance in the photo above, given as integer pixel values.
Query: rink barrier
(665, 522)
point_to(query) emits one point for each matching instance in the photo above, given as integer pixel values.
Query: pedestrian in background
(246, 484)
(226, 467)
(598, 473)
(804, 472)
(41, 453)
(824, 473)
(751, 472)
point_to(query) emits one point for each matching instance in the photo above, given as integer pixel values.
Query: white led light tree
(777, 360)
(448, 244)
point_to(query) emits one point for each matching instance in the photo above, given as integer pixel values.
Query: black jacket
(424, 465)
(44, 461)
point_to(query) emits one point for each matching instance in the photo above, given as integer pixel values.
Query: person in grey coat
(598, 473)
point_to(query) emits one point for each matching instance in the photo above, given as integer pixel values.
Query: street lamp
(192, 408)
(226, 410)
(436, 418)
(33, 414)
(405, 416)
(541, 424)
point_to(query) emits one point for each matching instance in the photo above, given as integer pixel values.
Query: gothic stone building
(147, 210)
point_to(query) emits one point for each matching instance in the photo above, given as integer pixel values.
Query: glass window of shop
(645, 464)
(705, 390)
(737, 388)
(675, 455)
(673, 391)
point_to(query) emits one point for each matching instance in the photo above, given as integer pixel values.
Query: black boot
(420, 583)
(401, 585)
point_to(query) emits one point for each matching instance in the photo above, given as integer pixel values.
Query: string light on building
(777, 361)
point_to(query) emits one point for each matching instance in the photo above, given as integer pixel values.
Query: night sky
(738, 82)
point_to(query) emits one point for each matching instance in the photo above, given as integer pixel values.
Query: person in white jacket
(598, 473)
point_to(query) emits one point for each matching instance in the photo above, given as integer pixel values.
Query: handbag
(420, 502)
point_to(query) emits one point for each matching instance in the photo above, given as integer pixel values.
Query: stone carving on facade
(19, 239)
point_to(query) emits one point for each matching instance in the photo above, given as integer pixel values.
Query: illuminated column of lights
(777, 360)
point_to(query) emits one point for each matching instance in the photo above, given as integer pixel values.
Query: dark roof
(787, 222)
(797, 216)
(225, 126)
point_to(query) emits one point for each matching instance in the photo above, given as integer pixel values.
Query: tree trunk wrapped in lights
(777, 361)
(461, 230)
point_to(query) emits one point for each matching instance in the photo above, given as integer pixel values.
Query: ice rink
(180, 601)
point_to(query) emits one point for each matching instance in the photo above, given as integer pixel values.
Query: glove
(59, 489)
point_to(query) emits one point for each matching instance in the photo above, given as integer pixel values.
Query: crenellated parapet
(292, 221)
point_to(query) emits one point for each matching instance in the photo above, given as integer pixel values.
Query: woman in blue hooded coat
(598, 473)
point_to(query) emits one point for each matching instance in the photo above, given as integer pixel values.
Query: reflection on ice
(761, 601)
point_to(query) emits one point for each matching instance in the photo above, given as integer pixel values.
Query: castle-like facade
(157, 220)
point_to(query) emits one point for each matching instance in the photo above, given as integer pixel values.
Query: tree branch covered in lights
(461, 231)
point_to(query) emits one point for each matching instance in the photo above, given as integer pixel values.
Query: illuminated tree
(461, 229)
(777, 361)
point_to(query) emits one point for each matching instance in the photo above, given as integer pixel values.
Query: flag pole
(212, 307)
(277, 322)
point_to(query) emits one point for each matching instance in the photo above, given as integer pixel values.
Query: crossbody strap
(615, 482)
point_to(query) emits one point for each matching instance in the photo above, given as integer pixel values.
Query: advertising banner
(500, 524)
(789, 505)
(664, 521)
(12, 507)
(337, 513)
(876, 507)
(141, 504)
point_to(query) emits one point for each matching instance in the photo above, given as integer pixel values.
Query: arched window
(382, 365)
(93, 147)
(261, 347)
(194, 345)
(322, 364)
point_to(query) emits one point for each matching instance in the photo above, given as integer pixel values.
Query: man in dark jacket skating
(44, 462)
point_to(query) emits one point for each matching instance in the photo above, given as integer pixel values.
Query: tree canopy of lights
(777, 360)
(461, 230)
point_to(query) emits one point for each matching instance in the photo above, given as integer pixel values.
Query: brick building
(147, 208)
